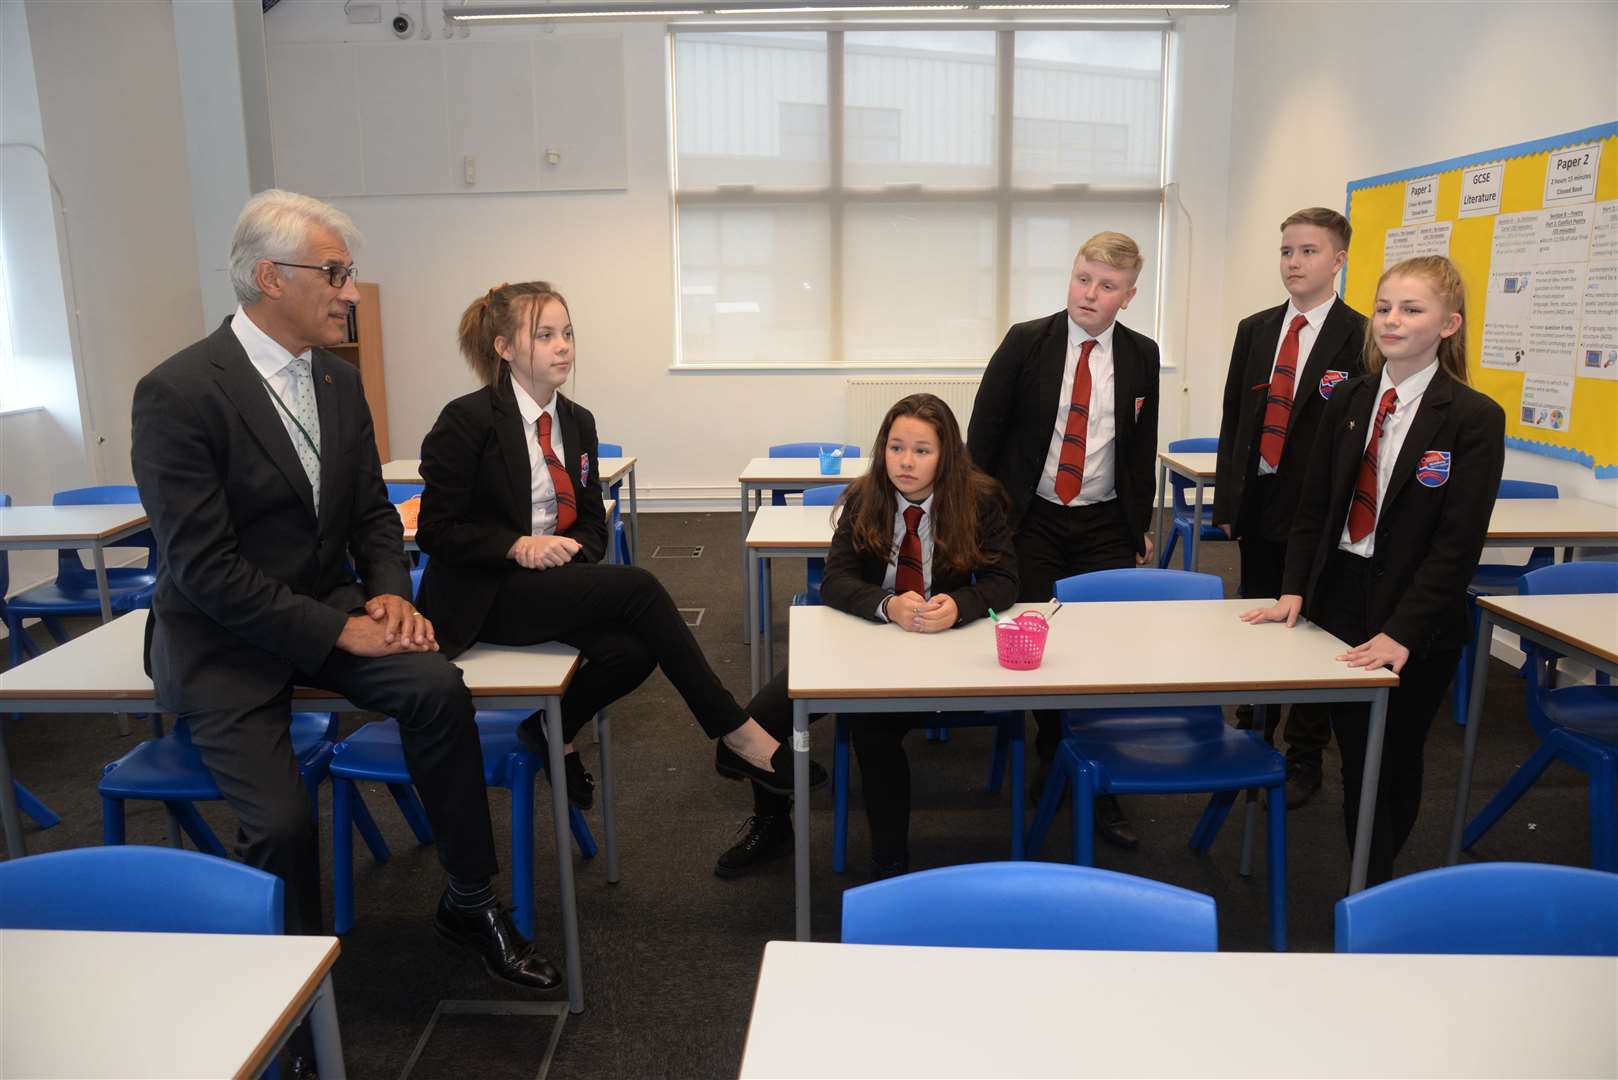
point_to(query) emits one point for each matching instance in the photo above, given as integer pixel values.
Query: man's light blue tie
(303, 406)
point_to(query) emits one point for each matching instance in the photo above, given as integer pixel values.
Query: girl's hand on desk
(902, 610)
(1380, 651)
(1284, 610)
(939, 613)
(543, 552)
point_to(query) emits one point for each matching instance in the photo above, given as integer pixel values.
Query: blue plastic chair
(70, 568)
(1162, 751)
(1183, 511)
(22, 647)
(171, 771)
(1576, 724)
(136, 888)
(620, 537)
(1501, 909)
(815, 569)
(1496, 578)
(1030, 905)
(778, 496)
(375, 753)
(403, 492)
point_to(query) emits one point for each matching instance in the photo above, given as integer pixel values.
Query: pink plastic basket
(1021, 644)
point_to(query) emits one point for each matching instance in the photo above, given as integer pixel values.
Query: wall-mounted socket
(361, 14)
(469, 169)
(553, 156)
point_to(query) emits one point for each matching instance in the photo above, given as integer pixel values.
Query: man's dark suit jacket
(1015, 413)
(1430, 531)
(252, 584)
(1337, 349)
(479, 500)
(853, 580)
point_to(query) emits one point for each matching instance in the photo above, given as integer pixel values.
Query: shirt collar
(1413, 386)
(529, 407)
(1078, 335)
(268, 356)
(1315, 315)
(925, 504)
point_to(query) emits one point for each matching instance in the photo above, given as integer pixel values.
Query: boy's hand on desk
(543, 552)
(1284, 610)
(902, 610)
(1142, 558)
(939, 613)
(1380, 651)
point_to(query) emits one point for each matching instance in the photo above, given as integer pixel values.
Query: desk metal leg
(323, 1028)
(747, 569)
(1162, 493)
(800, 814)
(1196, 521)
(609, 813)
(1261, 723)
(564, 855)
(767, 613)
(1368, 787)
(634, 520)
(1474, 716)
(15, 848)
(99, 555)
(750, 616)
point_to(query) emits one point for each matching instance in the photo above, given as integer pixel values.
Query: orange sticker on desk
(409, 511)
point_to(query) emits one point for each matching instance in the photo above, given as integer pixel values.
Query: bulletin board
(1534, 230)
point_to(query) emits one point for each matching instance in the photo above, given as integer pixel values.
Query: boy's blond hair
(1115, 249)
(1321, 217)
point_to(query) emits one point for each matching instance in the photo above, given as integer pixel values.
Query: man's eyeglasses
(337, 274)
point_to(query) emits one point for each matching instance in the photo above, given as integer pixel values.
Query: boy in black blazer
(1066, 420)
(1283, 368)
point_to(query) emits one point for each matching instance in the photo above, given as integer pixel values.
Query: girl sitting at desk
(923, 544)
(514, 524)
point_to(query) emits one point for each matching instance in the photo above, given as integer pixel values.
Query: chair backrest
(70, 569)
(100, 495)
(1527, 489)
(130, 887)
(1486, 908)
(398, 493)
(825, 495)
(609, 449)
(812, 449)
(1593, 576)
(1029, 905)
(1139, 583)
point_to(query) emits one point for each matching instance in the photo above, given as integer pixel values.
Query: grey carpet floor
(671, 953)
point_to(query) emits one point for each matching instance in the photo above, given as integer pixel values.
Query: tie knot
(1086, 349)
(1390, 399)
(302, 367)
(913, 517)
(545, 424)
(1298, 323)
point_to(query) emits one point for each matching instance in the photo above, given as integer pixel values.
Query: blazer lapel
(241, 382)
(1419, 439)
(1123, 384)
(508, 428)
(570, 439)
(331, 435)
(1261, 358)
(1052, 352)
(1350, 452)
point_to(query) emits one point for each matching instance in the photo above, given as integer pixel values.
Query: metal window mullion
(1005, 87)
(834, 188)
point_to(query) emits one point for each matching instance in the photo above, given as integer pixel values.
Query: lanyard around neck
(289, 413)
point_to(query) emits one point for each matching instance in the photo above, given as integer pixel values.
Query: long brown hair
(958, 485)
(495, 314)
(1445, 279)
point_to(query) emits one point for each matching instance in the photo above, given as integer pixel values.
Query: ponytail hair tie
(496, 289)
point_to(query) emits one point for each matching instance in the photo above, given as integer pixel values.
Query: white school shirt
(1306, 341)
(925, 531)
(1100, 442)
(271, 360)
(541, 493)
(1394, 430)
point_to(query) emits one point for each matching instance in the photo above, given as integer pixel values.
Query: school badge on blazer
(584, 468)
(1329, 381)
(1433, 468)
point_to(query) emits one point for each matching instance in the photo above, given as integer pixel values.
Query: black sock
(470, 894)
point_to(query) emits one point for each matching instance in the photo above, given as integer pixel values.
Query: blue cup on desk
(831, 462)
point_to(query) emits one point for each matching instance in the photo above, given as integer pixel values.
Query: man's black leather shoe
(1113, 826)
(1302, 784)
(490, 934)
(731, 765)
(581, 786)
(769, 836)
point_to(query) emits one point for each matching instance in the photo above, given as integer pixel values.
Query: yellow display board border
(1376, 204)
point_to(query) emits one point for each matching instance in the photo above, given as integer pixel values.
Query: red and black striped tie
(1070, 464)
(1362, 511)
(1278, 406)
(567, 508)
(907, 576)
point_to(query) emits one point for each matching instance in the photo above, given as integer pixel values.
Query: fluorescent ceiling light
(642, 9)
(783, 9)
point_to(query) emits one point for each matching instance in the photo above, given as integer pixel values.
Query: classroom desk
(779, 532)
(795, 474)
(612, 549)
(609, 470)
(103, 671)
(1580, 627)
(78, 1003)
(1553, 523)
(34, 528)
(1199, 654)
(1197, 468)
(830, 1010)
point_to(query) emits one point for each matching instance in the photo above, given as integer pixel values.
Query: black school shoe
(769, 836)
(732, 766)
(581, 786)
(490, 935)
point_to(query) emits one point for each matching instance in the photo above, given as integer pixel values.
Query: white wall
(1326, 93)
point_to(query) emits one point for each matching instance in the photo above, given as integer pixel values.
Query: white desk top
(87, 1004)
(1195, 645)
(792, 527)
(830, 1010)
(1572, 518)
(106, 664)
(408, 470)
(1202, 465)
(1589, 621)
(21, 524)
(801, 471)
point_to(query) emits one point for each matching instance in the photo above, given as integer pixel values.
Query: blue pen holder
(831, 462)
